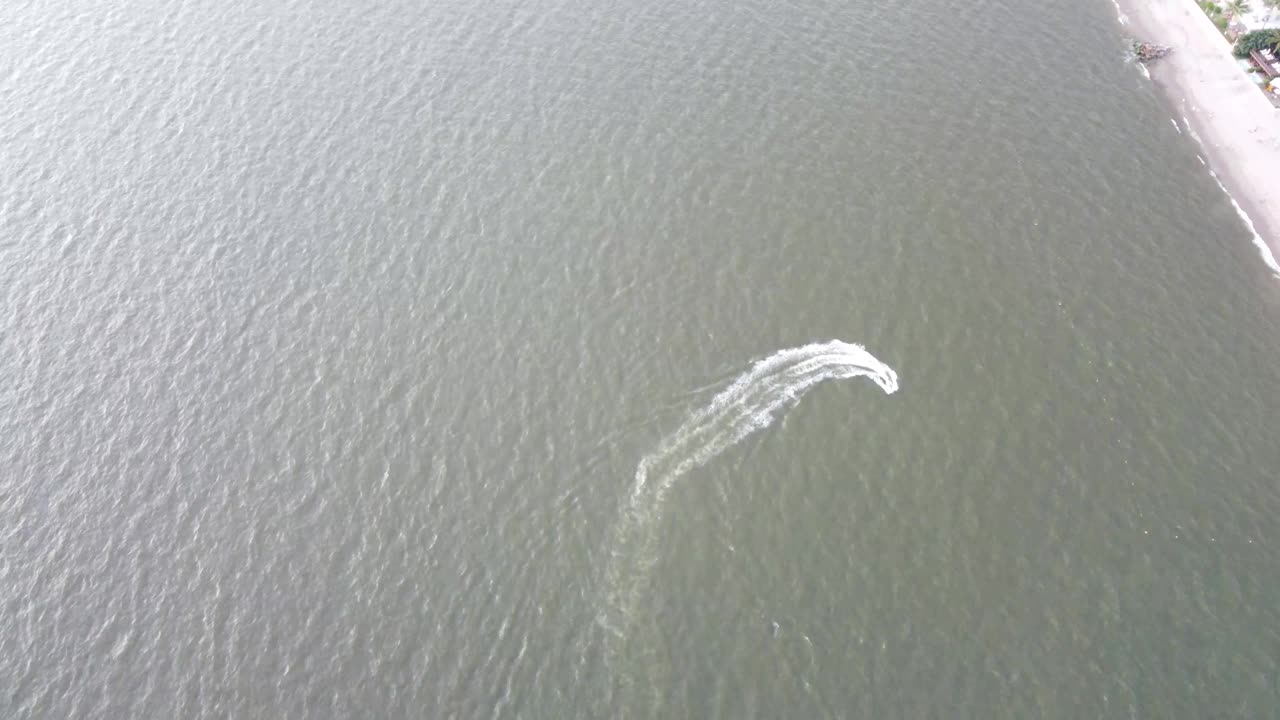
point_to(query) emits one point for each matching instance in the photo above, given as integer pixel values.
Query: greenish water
(333, 337)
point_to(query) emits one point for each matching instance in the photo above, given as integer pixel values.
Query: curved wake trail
(750, 403)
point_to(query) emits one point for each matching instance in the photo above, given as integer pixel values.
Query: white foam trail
(1176, 126)
(750, 403)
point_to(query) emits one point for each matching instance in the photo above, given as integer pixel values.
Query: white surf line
(1124, 20)
(1268, 258)
(752, 402)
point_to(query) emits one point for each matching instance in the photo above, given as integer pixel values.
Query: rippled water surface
(445, 359)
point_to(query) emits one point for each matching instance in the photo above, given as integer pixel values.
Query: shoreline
(1237, 128)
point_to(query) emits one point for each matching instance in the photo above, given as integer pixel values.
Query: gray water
(333, 335)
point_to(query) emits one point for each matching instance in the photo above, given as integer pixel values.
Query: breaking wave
(1268, 258)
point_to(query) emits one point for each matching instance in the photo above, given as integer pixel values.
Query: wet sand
(1238, 128)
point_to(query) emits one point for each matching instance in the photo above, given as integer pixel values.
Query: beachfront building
(1260, 17)
(1261, 65)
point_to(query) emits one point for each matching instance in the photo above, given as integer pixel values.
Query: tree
(1235, 8)
(1256, 40)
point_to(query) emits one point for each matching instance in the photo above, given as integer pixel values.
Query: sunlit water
(335, 339)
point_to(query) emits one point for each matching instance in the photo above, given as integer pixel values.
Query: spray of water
(750, 403)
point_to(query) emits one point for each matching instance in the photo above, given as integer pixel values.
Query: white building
(1260, 17)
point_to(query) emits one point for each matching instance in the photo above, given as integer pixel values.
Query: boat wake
(750, 403)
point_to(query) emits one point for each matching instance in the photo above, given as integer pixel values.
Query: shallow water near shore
(339, 346)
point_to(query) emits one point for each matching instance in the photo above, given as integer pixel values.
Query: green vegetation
(1257, 40)
(1223, 13)
(1235, 8)
(1219, 16)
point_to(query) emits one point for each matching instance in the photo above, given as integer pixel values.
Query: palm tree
(1236, 8)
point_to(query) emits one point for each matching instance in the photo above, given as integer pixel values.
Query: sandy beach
(1237, 127)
